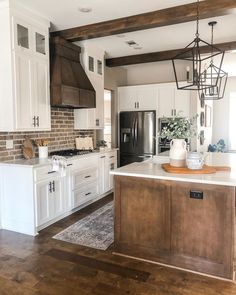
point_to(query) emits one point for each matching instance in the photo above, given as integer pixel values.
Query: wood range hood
(70, 86)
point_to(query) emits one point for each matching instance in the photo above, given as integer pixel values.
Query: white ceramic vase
(178, 152)
(43, 152)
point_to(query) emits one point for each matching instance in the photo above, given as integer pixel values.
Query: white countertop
(36, 162)
(152, 169)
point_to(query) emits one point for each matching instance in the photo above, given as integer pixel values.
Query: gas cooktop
(70, 153)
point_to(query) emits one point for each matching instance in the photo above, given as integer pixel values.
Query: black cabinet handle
(102, 157)
(50, 172)
(87, 176)
(53, 186)
(87, 194)
(69, 165)
(34, 121)
(112, 157)
(37, 121)
(50, 187)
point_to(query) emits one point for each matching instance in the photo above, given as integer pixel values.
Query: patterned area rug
(94, 231)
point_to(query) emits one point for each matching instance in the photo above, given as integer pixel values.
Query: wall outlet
(9, 144)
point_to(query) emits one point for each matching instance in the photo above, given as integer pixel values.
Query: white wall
(113, 78)
(221, 114)
(159, 72)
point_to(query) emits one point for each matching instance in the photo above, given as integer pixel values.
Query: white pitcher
(178, 152)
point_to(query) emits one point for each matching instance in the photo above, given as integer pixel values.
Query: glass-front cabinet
(29, 39)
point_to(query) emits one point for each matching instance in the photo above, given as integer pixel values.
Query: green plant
(180, 128)
(101, 143)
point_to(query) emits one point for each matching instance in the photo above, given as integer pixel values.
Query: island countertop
(152, 169)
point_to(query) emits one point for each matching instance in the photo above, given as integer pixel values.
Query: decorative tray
(184, 170)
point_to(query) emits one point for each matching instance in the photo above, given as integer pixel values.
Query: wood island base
(185, 225)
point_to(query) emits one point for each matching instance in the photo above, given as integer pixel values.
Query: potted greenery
(178, 129)
(101, 144)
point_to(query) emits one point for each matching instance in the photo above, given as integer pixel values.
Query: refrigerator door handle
(133, 133)
(136, 131)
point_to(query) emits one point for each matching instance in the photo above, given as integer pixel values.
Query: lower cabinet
(49, 198)
(107, 163)
(187, 225)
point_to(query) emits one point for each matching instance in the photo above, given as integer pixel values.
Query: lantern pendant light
(192, 62)
(213, 76)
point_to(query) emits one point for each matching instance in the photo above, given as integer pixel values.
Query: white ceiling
(64, 14)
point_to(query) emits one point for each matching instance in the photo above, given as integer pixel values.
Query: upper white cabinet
(93, 64)
(24, 57)
(173, 102)
(134, 98)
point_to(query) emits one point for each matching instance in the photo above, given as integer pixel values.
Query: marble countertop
(36, 162)
(152, 169)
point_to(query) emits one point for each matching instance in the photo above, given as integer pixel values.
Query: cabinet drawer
(44, 172)
(83, 177)
(85, 195)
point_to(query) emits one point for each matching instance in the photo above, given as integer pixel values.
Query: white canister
(43, 152)
(178, 152)
(194, 161)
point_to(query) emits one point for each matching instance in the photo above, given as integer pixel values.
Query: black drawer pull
(50, 172)
(69, 165)
(102, 157)
(87, 176)
(87, 194)
(112, 157)
(198, 195)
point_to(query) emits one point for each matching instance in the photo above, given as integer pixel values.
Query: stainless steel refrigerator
(137, 136)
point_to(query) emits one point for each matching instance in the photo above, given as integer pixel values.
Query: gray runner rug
(94, 231)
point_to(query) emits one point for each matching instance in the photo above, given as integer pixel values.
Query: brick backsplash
(62, 135)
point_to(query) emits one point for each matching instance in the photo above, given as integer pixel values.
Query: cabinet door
(199, 230)
(23, 92)
(142, 215)
(102, 176)
(110, 164)
(182, 102)
(99, 114)
(147, 98)
(41, 42)
(127, 99)
(44, 200)
(58, 197)
(41, 98)
(166, 96)
(22, 35)
(85, 119)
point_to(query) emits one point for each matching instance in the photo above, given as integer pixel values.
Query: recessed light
(85, 9)
(131, 43)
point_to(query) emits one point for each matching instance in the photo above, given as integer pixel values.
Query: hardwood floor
(45, 266)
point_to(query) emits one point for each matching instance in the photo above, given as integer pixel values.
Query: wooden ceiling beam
(154, 19)
(161, 56)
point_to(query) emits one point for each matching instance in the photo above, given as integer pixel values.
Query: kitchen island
(184, 221)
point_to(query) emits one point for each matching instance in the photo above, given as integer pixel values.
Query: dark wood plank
(161, 55)
(99, 265)
(159, 18)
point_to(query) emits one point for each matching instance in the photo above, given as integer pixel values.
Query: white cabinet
(24, 57)
(47, 196)
(93, 64)
(50, 200)
(134, 98)
(166, 101)
(44, 199)
(84, 181)
(107, 163)
(172, 101)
